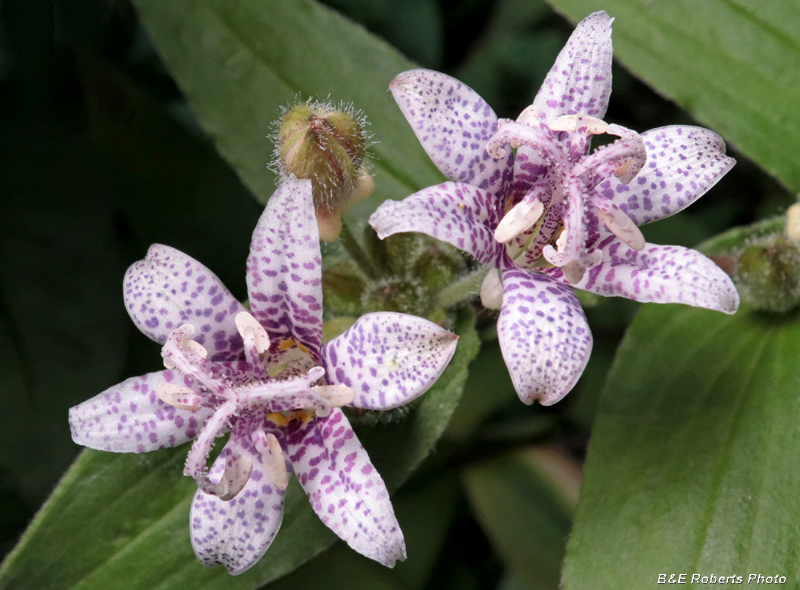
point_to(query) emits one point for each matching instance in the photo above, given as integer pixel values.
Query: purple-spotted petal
(453, 212)
(660, 274)
(683, 162)
(388, 359)
(579, 83)
(130, 417)
(344, 488)
(284, 270)
(453, 124)
(168, 289)
(543, 335)
(237, 532)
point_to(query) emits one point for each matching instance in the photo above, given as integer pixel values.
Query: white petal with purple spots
(388, 359)
(130, 418)
(344, 488)
(168, 289)
(579, 83)
(285, 266)
(543, 335)
(453, 212)
(683, 162)
(660, 274)
(453, 124)
(237, 532)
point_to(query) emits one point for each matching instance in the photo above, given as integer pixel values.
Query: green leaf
(525, 502)
(693, 463)
(124, 517)
(239, 62)
(730, 63)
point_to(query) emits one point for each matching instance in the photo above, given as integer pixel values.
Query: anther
(521, 216)
(492, 290)
(572, 123)
(337, 395)
(622, 227)
(179, 396)
(529, 116)
(245, 320)
(272, 458)
(237, 473)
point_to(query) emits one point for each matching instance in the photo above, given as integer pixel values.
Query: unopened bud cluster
(768, 269)
(328, 146)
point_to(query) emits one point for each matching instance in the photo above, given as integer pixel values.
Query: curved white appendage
(492, 290)
(245, 320)
(572, 123)
(521, 216)
(272, 458)
(179, 396)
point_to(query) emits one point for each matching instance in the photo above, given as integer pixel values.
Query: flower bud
(328, 147)
(768, 274)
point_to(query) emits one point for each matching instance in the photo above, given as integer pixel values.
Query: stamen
(572, 123)
(521, 216)
(619, 172)
(194, 347)
(622, 226)
(561, 242)
(492, 290)
(179, 396)
(237, 473)
(529, 116)
(337, 395)
(244, 320)
(272, 458)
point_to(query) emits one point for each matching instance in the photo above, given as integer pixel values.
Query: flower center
(549, 221)
(272, 384)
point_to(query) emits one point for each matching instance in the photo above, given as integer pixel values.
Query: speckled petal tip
(130, 418)
(683, 162)
(344, 488)
(579, 83)
(237, 532)
(544, 336)
(284, 269)
(453, 124)
(168, 289)
(660, 274)
(453, 212)
(389, 359)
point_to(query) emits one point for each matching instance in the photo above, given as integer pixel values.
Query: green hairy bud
(327, 146)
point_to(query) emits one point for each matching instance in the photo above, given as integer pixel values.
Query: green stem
(464, 288)
(357, 254)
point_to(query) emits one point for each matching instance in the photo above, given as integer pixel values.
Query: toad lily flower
(264, 376)
(528, 198)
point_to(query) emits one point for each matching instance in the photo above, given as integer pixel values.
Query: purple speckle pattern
(457, 213)
(453, 124)
(169, 289)
(130, 418)
(660, 274)
(236, 533)
(544, 336)
(345, 490)
(683, 162)
(284, 269)
(580, 80)
(389, 359)
(665, 170)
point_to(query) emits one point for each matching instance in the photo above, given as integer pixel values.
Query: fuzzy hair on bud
(326, 144)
